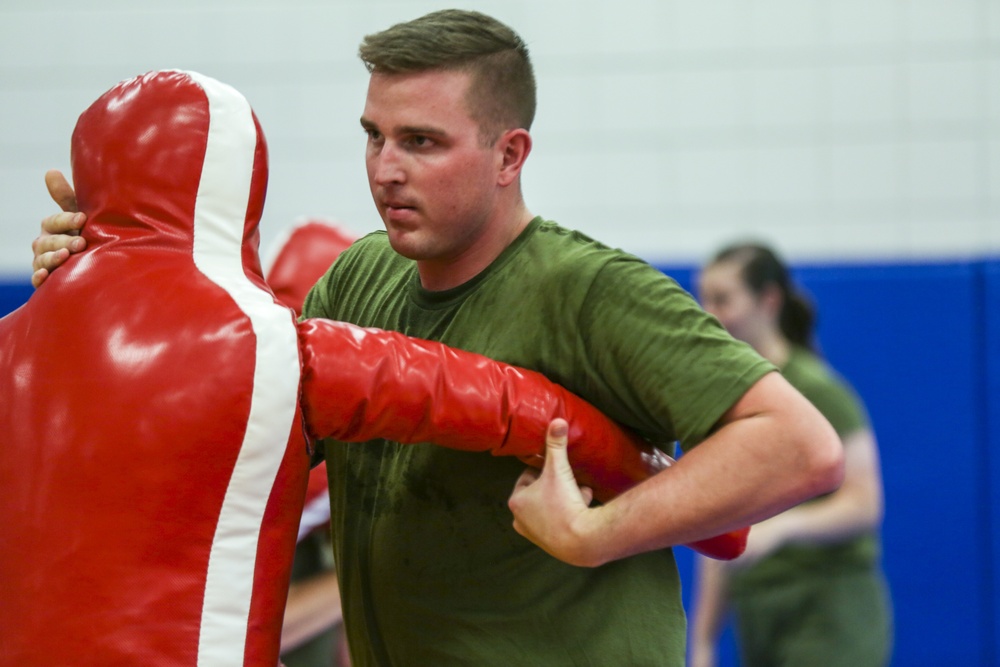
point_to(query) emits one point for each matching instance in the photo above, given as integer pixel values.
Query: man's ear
(513, 147)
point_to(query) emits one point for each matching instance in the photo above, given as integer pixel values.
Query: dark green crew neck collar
(443, 298)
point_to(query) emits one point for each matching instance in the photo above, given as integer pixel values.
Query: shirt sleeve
(673, 367)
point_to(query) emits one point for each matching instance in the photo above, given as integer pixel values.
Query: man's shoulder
(561, 247)
(577, 269)
(553, 233)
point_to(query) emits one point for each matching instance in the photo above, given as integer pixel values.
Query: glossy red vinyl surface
(127, 386)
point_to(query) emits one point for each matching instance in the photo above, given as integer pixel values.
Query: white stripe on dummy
(220, 214)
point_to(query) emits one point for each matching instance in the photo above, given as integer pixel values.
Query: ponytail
(797, 320)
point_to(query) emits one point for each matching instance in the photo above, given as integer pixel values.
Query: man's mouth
(397, 211)
(396, 204)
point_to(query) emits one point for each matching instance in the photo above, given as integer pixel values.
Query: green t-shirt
(431, 570)
(837, 401)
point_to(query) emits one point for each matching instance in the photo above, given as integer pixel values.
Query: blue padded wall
(910, 339)
(913, 341)
(13, 294)
(991, 450)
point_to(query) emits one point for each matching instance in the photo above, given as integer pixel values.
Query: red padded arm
(360, 384)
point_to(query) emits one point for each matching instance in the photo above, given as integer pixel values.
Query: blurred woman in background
(809, 590)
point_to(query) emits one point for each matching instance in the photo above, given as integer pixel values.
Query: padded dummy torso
(153, 465)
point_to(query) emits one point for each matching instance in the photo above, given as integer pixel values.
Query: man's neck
(444, 274)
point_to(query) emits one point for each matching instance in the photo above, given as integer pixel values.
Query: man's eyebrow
(407, 129)
(422, 130)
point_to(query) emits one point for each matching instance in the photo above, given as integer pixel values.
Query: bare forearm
(773, 452)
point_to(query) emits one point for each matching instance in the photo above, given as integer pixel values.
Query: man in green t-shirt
(432, 570)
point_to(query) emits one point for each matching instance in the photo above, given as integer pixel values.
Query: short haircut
(502, 91)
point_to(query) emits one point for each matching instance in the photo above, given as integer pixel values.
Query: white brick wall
(837, 129)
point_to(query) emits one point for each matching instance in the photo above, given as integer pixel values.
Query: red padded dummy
(154, 462)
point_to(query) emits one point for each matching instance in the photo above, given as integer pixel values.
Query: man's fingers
(44, 264)
(61, 191)
(549, 506)
(38, 277)
(46, 242)
(63, 223)
(59, 239)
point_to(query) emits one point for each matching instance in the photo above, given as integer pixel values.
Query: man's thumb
(557, 433)
(556, 439)
(557, 459)
(61, 191)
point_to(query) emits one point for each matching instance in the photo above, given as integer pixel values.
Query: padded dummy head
(165, 153)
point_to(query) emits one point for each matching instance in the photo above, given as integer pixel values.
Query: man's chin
(404, 244)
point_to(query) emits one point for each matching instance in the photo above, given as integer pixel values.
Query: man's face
(433, 182)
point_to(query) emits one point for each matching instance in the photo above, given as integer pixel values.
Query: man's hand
(550, 509)
(60, 235)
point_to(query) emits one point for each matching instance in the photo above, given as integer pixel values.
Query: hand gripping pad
(384, 384)
(614, 462)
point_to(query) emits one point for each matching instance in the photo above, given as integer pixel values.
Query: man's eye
(419, 141)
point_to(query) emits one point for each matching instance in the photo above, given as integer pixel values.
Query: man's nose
(388, 165)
